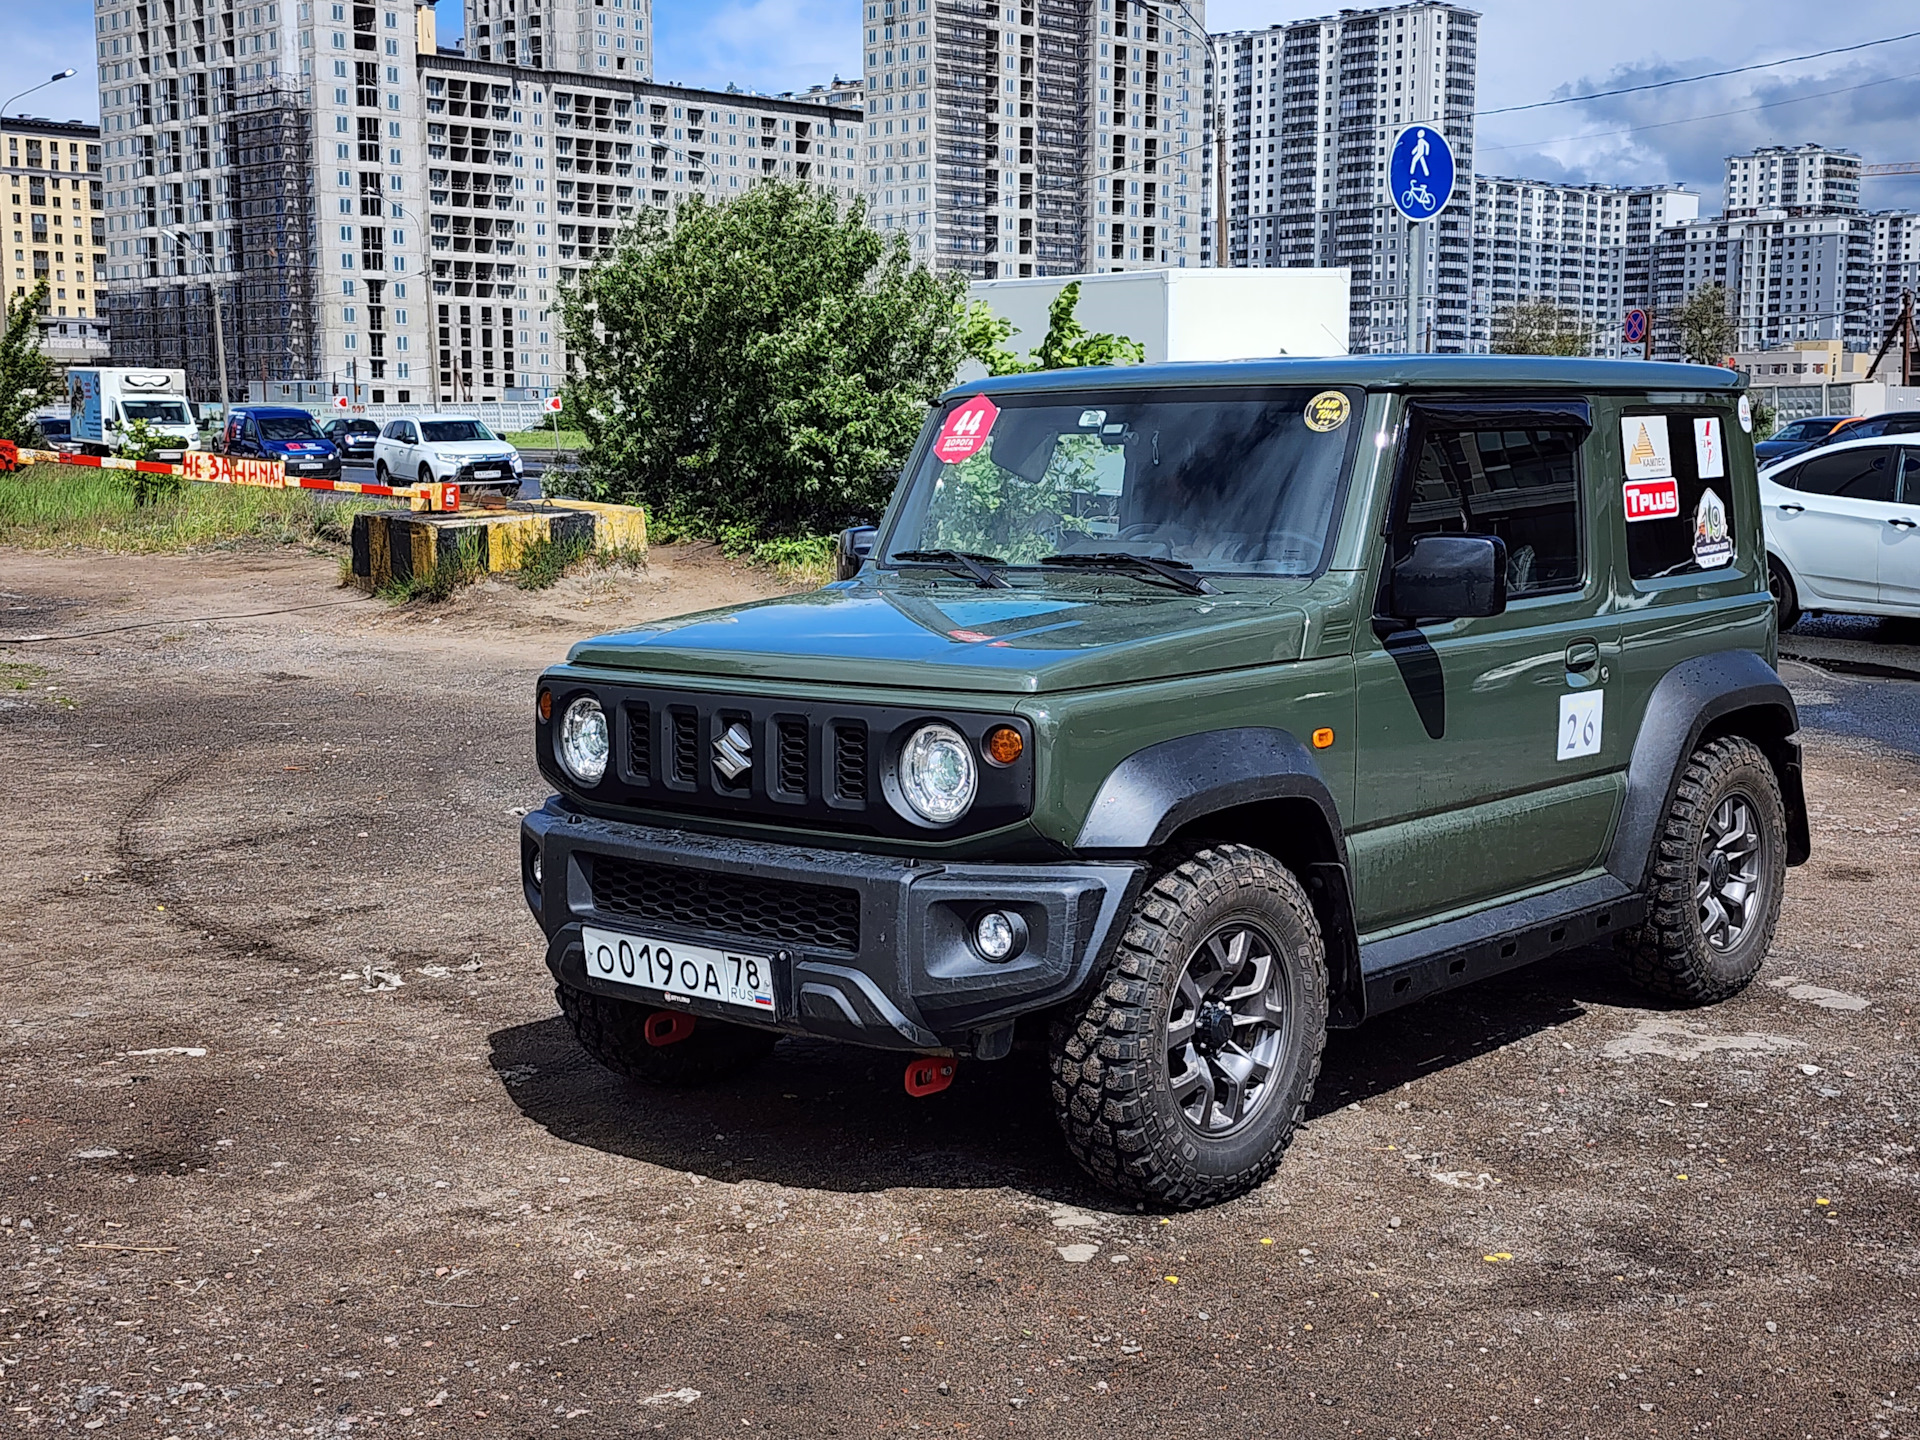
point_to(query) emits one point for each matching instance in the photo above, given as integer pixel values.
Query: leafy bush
(140, 441)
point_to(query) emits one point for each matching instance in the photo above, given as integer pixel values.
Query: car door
(1899, 569)
(1467, 790)
(1829, 528)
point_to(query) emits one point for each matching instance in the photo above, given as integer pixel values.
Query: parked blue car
(281, 432)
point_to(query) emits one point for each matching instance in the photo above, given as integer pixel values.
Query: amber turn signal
(1004, 745)
(1322, 738)
(546, 705)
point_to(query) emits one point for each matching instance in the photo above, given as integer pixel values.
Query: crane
(1898, 167)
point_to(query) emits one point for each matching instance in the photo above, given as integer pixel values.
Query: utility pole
(1903, 328)
(219, 330)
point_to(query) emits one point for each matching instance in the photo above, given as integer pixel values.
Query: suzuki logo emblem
(733, 752)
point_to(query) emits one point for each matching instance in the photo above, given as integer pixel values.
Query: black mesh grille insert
(793, 757)
(686, 745)
(640, 744)
(850, 762)
(737, 907)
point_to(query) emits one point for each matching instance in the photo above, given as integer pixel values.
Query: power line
(1709, 75)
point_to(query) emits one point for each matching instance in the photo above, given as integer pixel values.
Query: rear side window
(1522, 485)
(1910, 479)
(1869, 474)
(1678, 495)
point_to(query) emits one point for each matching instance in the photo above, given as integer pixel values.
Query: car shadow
(833, 1117)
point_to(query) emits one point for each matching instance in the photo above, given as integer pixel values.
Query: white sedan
(436, 449)
(1843, 529)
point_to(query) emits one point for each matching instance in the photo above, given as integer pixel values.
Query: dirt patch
(295, 1141)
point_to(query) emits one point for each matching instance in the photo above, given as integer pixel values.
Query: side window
(1903, 425)
(1867, 474)
(1522, 485)
(1679, 498)
(1910, 478)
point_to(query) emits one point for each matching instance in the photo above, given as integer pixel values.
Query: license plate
(320, 466)
(727, 976)
(486, 474)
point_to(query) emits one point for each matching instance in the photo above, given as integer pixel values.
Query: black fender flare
(1155, 791)
(1694, 697)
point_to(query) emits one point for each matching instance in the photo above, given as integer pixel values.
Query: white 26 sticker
(1580, 717)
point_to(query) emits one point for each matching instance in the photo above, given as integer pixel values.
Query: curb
(1869, 669)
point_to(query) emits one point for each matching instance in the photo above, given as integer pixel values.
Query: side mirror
(852, 550)
(1451, 577)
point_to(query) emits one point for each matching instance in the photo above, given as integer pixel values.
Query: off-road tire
(1786, 599)
(1110, 1071)
(610, 1031)
(1668, 954)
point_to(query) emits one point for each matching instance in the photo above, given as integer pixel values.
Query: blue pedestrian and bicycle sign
(1420, 172)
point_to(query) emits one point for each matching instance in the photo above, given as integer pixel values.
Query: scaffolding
(274, 240)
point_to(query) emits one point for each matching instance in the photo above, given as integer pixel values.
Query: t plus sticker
(1652, 500)
(1643, 441)
(966, 431)
(1712, 540)
(1581, 715)
(1709, 453)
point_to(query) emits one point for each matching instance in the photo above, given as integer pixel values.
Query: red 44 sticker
(966, 431)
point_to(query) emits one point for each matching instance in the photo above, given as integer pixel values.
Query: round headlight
(584, 744)
(937, 773)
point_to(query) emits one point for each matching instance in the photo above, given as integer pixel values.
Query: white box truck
(105, 400)
(1187, 314)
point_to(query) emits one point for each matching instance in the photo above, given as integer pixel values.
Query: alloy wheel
(1227, 1028)
(1727, 885)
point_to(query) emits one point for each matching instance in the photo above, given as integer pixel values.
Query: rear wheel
(1786, 600)
(380, 473)
(1719, 871)
(1183, 1076)
(614, 1033)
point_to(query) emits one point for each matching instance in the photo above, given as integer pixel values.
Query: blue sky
(1529, 50)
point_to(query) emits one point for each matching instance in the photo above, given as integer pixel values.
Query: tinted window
(1910, 479)
(1850, 474)
(1706, 517)
(452, 432)
(1902, 425)
(1522, 485)
(289, 427)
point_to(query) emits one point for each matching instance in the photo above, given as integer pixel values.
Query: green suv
(1178, 713)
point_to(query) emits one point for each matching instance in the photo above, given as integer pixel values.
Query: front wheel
(614, 1033)
(426, 475)
(1183, 1076)
(1786, 600)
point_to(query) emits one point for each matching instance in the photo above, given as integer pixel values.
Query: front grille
(850, 762)
(793, 757)
(737, 907)
(639, 744)
(686, 746)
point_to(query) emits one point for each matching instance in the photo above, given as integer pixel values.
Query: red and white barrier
(208, 468)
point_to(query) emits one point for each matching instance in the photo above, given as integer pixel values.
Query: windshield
(289, 427)
(451, 432)
(1230, 481)
(358, 427)
(156, 412)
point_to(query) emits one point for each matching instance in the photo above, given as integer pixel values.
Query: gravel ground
(295, 1142)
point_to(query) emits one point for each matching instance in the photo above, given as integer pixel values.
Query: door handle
(1791, 509)
(1582, 656)
(1901, 524)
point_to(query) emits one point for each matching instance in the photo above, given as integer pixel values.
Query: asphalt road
(292, 1139)
(529, 480)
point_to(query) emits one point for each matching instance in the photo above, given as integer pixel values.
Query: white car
(436, 449)
(1843, 528)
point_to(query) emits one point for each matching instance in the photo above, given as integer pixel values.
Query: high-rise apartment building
(56, 230)
(1038, 137)
(382, 213)
(1308, 112)
(1799, 179)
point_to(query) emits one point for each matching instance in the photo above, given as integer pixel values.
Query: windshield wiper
(960, 562)
(1175, 572)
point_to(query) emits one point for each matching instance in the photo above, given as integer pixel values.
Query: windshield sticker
(1709, 456)
(1643, 439)
(1328, 411)
(1652, 500)
(966, 431)
(1712, 541)
(1746, 415)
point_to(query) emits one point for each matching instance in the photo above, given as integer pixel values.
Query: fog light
(999, 936)
(534, 867)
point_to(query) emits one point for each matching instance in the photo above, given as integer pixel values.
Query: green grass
(18, 675)
(445, 579)
(545, 560)
(49, 506)
(546, 440)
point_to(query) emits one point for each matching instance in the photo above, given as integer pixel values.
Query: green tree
(1540, 327)
(28, 378)
(1705, 325)
(1068, 344)
(756, 368)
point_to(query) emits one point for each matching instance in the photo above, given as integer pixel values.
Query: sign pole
(1420, 178)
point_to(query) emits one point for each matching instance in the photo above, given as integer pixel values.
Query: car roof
(1883, 415)
(444, 415)
(1837, 447)
(1380, 372)
(274, 410)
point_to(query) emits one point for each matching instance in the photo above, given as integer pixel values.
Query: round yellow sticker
(1328, 411)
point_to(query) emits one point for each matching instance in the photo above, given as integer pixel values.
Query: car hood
(949, 637)
(301, 449)
(472, 449)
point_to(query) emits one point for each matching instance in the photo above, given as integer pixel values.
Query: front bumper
(503, 474)
(909, 980)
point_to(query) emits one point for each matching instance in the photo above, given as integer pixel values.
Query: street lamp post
(63, 75)
(219, 332)
(433, 317)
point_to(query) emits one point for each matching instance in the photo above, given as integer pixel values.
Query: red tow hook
(929, 1075)
(667, 1027)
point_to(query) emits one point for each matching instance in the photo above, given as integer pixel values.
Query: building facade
(609, 38)
(1038, 137)
(385, 215)
(1799, 179)
(57, 232)
(1308, 112)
